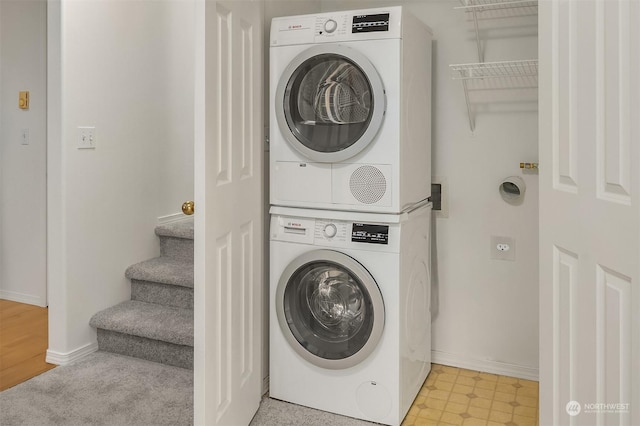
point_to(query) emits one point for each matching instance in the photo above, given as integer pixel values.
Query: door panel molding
(613, 341)
(613, 89)
(565, 289)
(565, 160)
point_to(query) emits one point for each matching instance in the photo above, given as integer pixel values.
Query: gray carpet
(102, 389)
(180, 229)
(166, 323)
(278, 413)
(163, 270)
(109, 389)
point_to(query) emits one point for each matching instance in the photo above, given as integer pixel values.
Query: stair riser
(177, 248)
(143, 348)
(162, 294)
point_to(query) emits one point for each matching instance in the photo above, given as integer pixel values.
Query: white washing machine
(350, 99)
(350, 324)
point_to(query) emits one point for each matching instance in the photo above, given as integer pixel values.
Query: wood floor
(23, 342)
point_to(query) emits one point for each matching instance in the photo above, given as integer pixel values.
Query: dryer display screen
(370, 23)
(367, 233)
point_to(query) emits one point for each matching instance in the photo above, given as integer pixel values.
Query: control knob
(330, 230)
(330, 26)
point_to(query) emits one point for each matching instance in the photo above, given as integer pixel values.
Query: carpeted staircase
(157, 323)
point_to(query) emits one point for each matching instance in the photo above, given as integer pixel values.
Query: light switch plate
(86, 137)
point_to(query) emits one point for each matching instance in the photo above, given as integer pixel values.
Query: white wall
(127, 69)
(23, 167)
(487, 310)
(176, 157)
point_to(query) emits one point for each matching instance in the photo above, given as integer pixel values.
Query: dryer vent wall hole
(512, 190)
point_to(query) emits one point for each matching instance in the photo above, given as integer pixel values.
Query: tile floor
(455, 396)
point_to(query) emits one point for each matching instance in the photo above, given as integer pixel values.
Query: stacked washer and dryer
(350, 181)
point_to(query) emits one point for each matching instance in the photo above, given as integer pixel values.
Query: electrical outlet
(502, 248)
(86, 137)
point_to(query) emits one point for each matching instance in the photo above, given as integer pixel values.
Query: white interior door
(228, 218)
(589, 214)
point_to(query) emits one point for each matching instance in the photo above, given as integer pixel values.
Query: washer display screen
(370, 23)
(368, 233)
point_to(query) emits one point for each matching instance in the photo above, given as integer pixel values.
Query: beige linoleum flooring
(455, 396)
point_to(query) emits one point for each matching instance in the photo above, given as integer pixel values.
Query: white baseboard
(486, 366)
(23, 298)
(59, 358)
(175, 217)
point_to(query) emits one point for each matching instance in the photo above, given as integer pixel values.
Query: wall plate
(86, 137)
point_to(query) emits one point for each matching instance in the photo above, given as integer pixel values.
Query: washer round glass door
(330, 103)
(330, 309)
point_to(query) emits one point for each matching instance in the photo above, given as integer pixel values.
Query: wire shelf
(484, 5)
(505, 69)
(501, 9)
(494, 75)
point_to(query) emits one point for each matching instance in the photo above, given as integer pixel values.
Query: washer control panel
(354, 232)
(336, 233)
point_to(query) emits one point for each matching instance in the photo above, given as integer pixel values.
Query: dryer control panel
(365, 24)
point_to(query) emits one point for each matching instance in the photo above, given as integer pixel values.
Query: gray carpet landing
(102, 389)
(114, 390)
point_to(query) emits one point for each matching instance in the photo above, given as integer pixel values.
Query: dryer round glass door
(330, 309)
(330, 103)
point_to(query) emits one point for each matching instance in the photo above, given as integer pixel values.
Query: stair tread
(164, 270)
(181, 229)
(158, 322)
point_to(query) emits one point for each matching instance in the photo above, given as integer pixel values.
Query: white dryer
(350, 100)
(350, 324)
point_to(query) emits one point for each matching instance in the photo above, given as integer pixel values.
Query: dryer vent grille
(368, 184)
